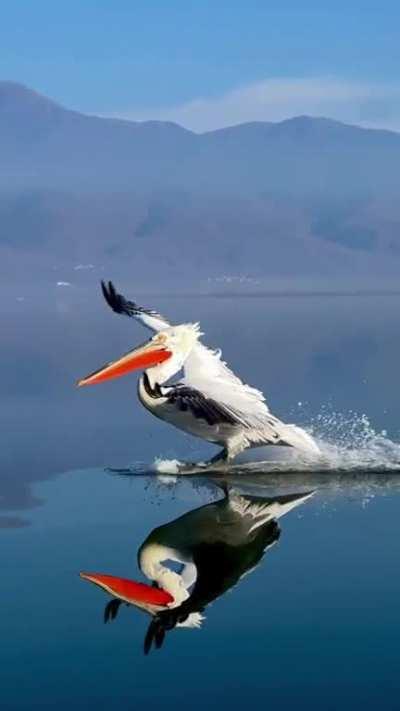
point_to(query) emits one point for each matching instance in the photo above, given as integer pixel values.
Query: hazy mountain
(303, 196)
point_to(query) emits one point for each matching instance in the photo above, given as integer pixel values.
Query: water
(313, 624)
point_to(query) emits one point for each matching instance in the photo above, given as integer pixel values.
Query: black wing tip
(111, 610)
(150, 636)
(120, 305)
(113, 299)
(155, 635)
(104, 290)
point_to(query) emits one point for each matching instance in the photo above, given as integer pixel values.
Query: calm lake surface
(314, 623)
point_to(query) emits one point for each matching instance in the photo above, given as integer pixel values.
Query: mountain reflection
(197, 558)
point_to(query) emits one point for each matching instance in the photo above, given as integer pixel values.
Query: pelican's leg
(226, 456)
(221, 457)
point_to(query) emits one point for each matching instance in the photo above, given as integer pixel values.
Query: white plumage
(210, 401)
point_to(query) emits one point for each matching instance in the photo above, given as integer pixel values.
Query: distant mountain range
(302, 197)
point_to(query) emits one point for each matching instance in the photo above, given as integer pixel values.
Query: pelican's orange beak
(146, 356)
(129, 591)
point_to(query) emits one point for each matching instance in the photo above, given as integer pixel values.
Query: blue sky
(208, 62)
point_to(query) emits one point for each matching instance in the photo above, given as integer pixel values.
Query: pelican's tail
(295, 436)
(262, 510)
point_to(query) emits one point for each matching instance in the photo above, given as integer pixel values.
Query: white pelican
(210, 402)
(215, 545)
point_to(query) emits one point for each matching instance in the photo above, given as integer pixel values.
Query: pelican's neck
(151, 561)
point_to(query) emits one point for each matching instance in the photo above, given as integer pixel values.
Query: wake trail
(348, 443)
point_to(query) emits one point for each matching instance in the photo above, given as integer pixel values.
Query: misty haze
(306, 197)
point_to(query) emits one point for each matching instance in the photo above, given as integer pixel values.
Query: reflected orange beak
(143, 357)
(129, 591)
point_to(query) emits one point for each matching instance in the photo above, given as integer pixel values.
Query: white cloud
(368, 104)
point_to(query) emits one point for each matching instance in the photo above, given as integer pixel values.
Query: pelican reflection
(196, 558)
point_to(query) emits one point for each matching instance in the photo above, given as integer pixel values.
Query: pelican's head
(162, 356)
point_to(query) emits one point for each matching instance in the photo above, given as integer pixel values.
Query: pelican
(215, 545)
(210, 402)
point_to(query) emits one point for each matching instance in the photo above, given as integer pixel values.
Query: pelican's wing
(205, 371)
(118, 303)
(201, 406)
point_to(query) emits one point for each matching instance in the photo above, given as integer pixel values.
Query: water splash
(348, 441)
(168, 467)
